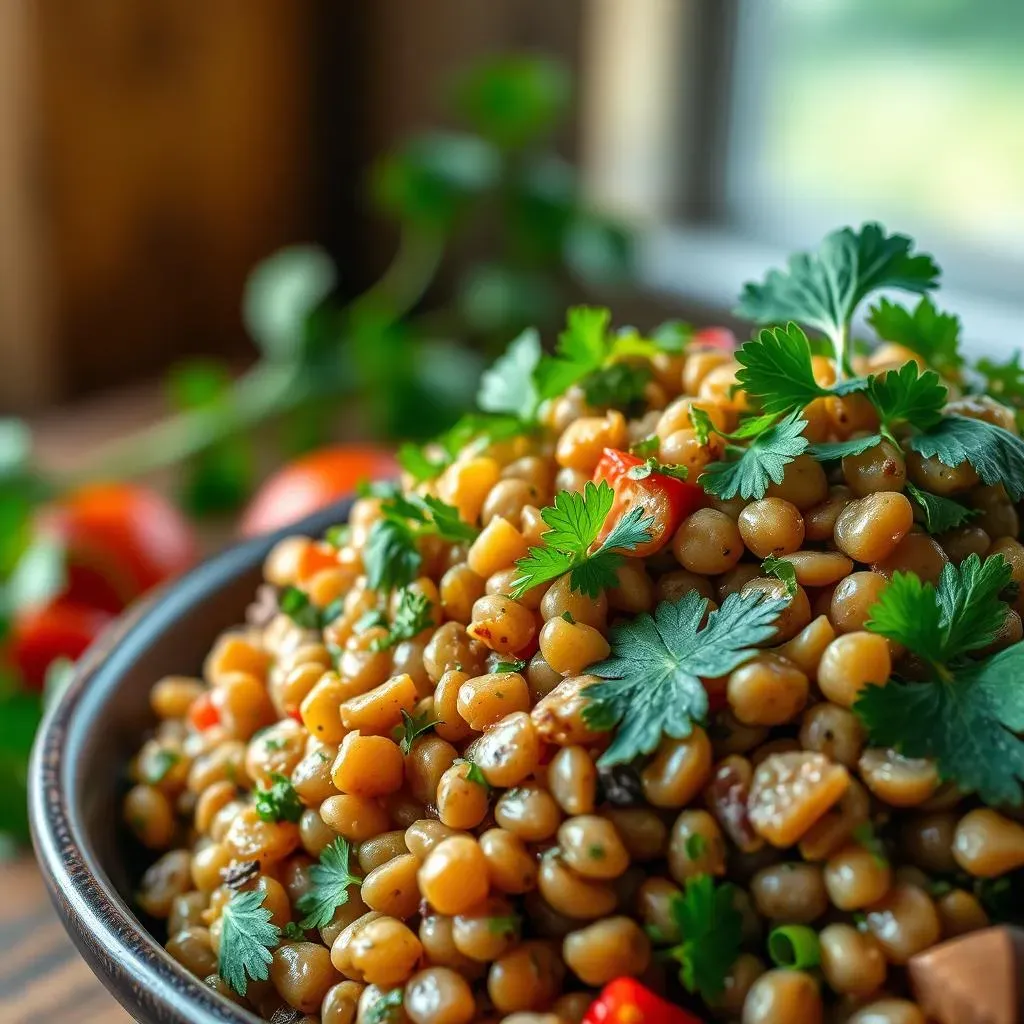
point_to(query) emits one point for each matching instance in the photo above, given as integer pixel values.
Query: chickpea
(191, 948)
(172, 696)
(888, 1011)
(796, 612)
(836, 827)
(527, 978)
(319, 709)
(592, 848)
(509, 751)
(917, 553)
(903, 922)
(767, 690)
(185, 910)
(654, 904)
(454, 875)
(502, 624)
(466, 484)
(572, 1007)
(379, 710)
(558, 717)
(437, 938)
(935, 476)
(510, 867)
(771, 526)
(484, 700)
(870, 528)
(572, 778)
(851, 961)
(707, 542)
(683, 448)
(696, 846)
(856, 877)
(804, 484)
(355, 818)
(207, 864)
(163, 882)
(438, 995)
(850, 663)
(461, 802)
(569, 647)
(570, 893)
(739, 980)
(460, 588)
(486, 931)
(965, 541)
(341, 1003)
(303, 974)
(385, 952)
(634, 592)
(879, 468)
(149, 815)
(806, 648)
(451, 647)
(853, 600)
(833, 731)
(529, 812)
(820, 521)
(642, 832)
(425, 764)
(541, 678)
(607, 949)
(987, 844)
(792, 892)
(698, 365)
(898, 780)
(679, 770)
(560, 598)
(783, 997)
(391, 887)
(927, 840)
(998, 514)
(368, 766)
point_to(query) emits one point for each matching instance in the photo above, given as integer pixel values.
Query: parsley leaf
(575, 521)
(823, 289)
(782, 570)
(705, 913)
(414, 726)
(582, 348)
(996, 454)
(414, 614)
(908, 395)
(293, 932)
(968, 724)
(763, 462)
(156, 767)
(474, 429)
(940, 514)
(421, 463)
(926, 331)
(508, 664)
(280, 802)
(651, 684)
(246, 940)
(474, 773)
(508, 386)
(297, 606)
(826, 451)
(1005, 382)
(908, 613)
(387, 1008)
(329, 879)
(673, 335)
(648, 446)
(620, 386)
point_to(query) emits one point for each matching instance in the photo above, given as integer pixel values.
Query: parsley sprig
(930, 333)
(295, 603)
(705, 914)
(574, 523)
(330, 880)
(651, 684)
(968, 714)
(246, 940)
(413, 727)
(414, 613)
(280, 802)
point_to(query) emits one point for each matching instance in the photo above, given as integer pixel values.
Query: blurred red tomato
(313, 482)
(715, 337)
(59, 629)
(121, 540)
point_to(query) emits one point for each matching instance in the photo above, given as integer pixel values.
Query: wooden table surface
(42, 977)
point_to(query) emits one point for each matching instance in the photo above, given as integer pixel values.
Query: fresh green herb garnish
(762, 462)
(510, 665)
(782, 570)
(274, 744)
(475, 429)
(968, 715)
(508, 385)
(823, 289)
(330, 880)
(648, 446)
(293, 932)
(996, 454)
(246, 940)
(414, 614)
(672, 335)
(864, 835)
(940, 514)
(474, 773)
(651, 685)
(907, 395)
(695, 846)
(387, 1008)
(706, 915)
(157, 766)
(297, 606)
(933, 335)
(575, 521)
(503, 925)
(414, 726)
(280, 802)
(338, 536)
(619, 386)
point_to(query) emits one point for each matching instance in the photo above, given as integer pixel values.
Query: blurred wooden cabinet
(150, 152)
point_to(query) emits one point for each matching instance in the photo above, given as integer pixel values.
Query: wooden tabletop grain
(42, 977)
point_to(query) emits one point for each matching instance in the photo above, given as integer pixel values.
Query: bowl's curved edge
(136, 969)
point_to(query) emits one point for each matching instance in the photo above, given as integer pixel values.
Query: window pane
(911, 112)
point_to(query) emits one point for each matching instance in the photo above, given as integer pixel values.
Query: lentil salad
(680, 662)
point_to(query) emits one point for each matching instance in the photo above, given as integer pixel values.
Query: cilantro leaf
(474, 773)
(413, 727)
(968, 724)
(673, 335)
(582, 349)
(619, 386)
(826, 451)
(293, 933)
(782, 570)
(763, 462)
(908, 613)
(330, 880)
(705, 913)
(297, 606)
(908, 395)
(1005, 381)
(940, 514)
(387, 1008)
(776, 369)
(510, 664)
(246, 940)
(823, 289)
(280, 802)
(508, 386)
(926, 331)
(421, 463)
(474, 429)
(390, 555)
(996, 454)
(651, 684)
(414, 614)
(575, 521)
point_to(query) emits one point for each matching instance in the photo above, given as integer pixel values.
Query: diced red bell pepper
(203, 713)
(665, 497)
(626, 1001)
(714, 337)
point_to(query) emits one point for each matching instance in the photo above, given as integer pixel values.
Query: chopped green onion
(794, 947)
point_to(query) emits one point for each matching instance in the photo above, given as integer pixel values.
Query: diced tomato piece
(316, 556)
(715, 337)
(59, 629)
(626, 1001)
(203, 713)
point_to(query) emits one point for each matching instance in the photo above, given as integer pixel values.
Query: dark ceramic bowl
(77, 775)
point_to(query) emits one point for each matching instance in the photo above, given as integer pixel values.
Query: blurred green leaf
(430, 180)
(495, 299)
(513, 100)
(508, 386)
(542, 205)
(38, 576)
(599, 251)
(20, 714)
(280, 295)
(220, 478)
(15, 447)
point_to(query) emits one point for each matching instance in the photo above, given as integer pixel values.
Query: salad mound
(681, 682)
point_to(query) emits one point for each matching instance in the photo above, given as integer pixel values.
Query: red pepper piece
(626, 1001)
(665, 497)
(714, 337)
(203, 713)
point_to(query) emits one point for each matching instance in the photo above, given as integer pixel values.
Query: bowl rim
(130, 962)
